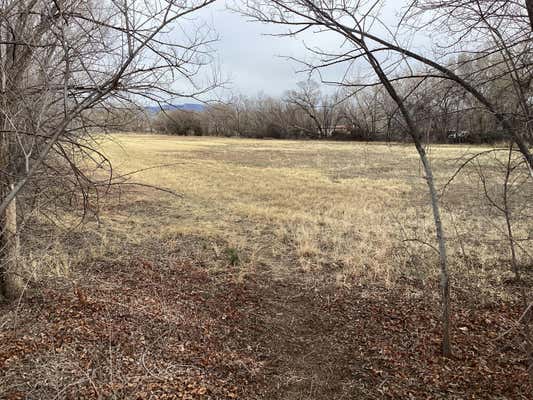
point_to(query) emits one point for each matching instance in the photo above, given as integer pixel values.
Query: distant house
(340, 129)
(457, 136)
(343, 128)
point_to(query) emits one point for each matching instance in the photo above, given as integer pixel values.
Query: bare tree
(320, 109)
(506, 198)
(304, 15)
(364, 113)
(62, 60)
(501, 44)
(472, 20)
(499, 40)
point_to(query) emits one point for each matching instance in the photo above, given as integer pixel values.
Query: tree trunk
(10, 279)
(444, 276)
(12, 283)
(416, 135)
(529, 5)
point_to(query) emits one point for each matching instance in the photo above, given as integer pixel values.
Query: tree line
(444, 112)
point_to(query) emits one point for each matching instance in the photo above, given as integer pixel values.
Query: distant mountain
(170, 107)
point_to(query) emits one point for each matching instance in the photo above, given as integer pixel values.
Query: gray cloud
(252, 60)
(256, 62)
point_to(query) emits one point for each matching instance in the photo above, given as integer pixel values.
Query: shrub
(178, 122)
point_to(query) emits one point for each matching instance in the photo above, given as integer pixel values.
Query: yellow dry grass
(347, 208)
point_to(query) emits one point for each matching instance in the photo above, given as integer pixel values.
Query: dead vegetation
(351, 209)
(287, 270)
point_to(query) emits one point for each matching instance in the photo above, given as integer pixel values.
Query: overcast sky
(254, 62)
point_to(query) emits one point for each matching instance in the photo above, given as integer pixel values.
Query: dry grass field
(276, 270)
(349, 209)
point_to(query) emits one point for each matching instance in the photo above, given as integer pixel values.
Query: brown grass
(351, 209)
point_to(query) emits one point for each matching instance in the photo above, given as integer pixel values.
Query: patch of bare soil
(147, 330)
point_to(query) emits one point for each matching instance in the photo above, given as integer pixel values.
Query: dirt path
(148, 330)
(306, 359)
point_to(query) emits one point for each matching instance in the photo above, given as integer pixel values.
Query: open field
(348, 209)
(283, 270)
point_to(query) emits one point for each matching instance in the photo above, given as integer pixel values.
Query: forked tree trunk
(12, 282)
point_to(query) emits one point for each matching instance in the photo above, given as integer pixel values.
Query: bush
(490, 137)
(178, 122)
(355, 134)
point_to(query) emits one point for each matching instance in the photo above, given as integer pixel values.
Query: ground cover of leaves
(142, 329)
